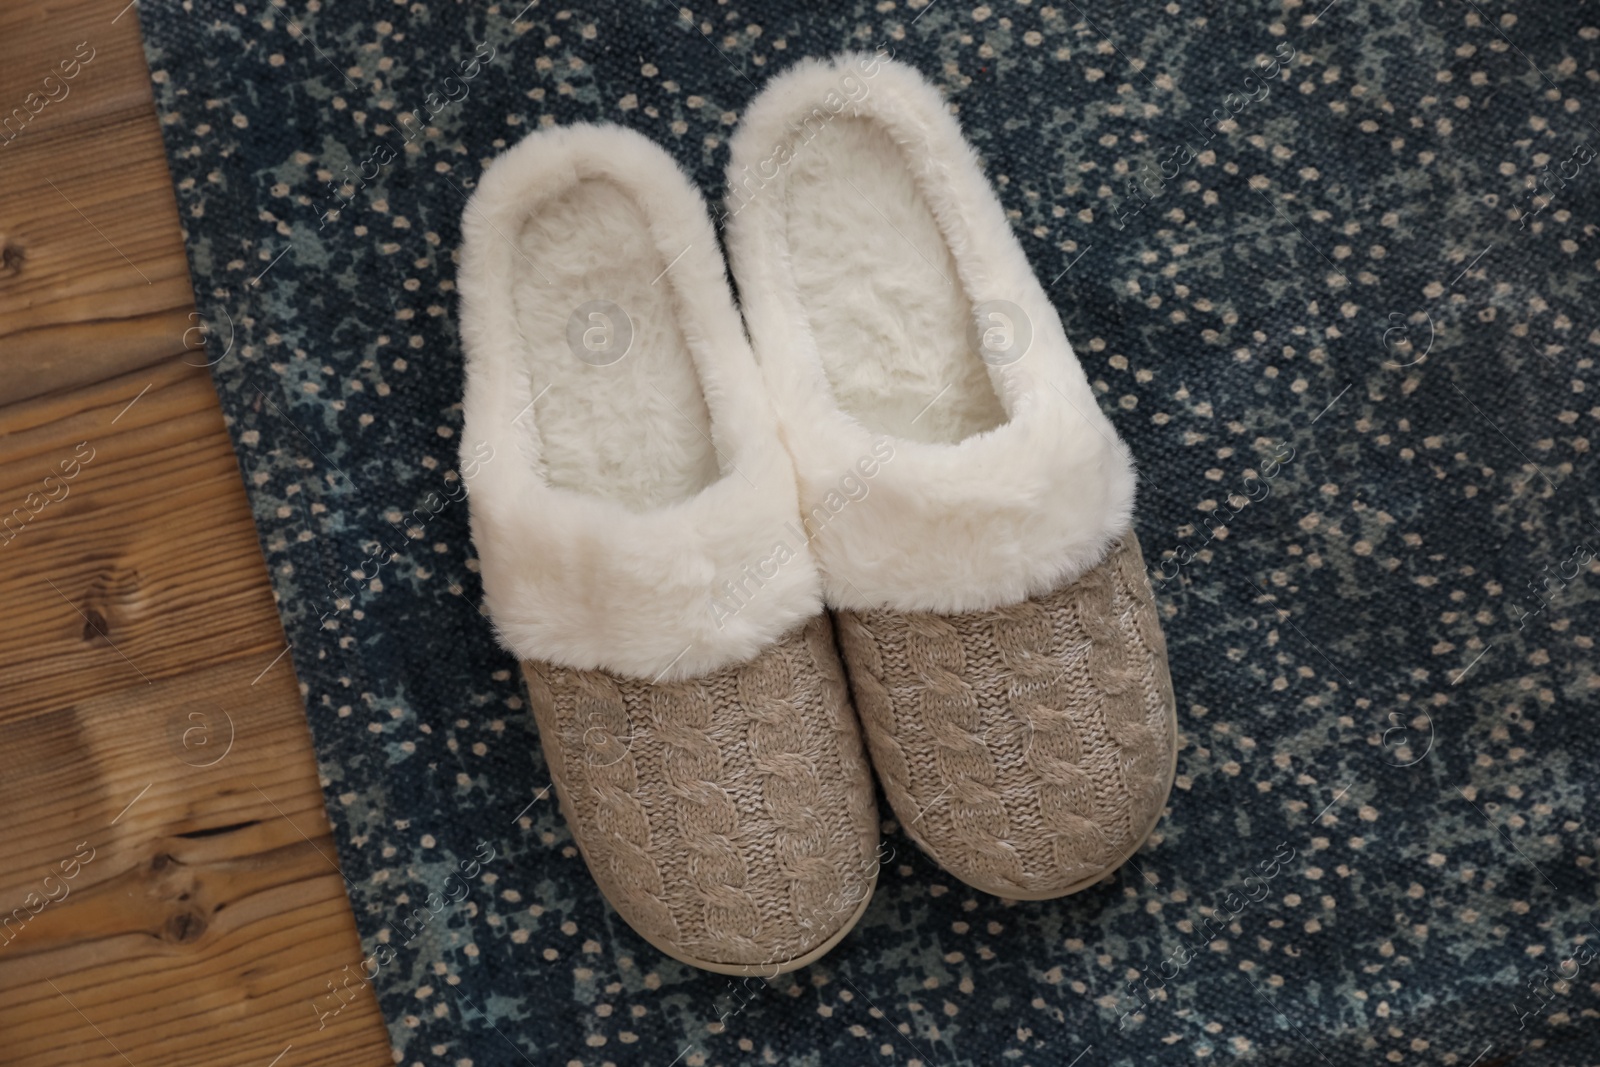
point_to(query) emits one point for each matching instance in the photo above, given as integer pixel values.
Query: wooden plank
(148, 721)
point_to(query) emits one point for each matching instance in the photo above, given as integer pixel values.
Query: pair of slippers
(898, 431)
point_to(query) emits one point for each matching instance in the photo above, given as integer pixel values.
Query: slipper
(635, 524)
(967, 502)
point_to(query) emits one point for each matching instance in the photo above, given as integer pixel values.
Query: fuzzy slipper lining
(638, 511)
(893, 311)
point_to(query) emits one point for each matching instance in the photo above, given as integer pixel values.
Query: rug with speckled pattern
(1361, 234)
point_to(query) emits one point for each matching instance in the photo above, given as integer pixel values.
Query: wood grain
(147, 718)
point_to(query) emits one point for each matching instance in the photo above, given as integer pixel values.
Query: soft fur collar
(993, 519)
(656, 592)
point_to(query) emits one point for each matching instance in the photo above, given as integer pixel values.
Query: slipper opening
(877, 280)
(616, 399)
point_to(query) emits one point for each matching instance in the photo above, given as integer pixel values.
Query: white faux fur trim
(660, 589)
(992, 519)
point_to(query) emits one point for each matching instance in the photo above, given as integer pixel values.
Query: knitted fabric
(728, 818)
(1029, 750)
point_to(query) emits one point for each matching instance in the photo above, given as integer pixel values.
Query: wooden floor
(168, 888)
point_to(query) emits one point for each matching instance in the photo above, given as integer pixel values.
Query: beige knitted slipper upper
(729, 819)
(1028, 749)
(633, 508)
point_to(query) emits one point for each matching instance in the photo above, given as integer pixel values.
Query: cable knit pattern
(729, 818)
(1029, 749)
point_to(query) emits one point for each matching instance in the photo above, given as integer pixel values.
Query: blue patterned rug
(1361, 237)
